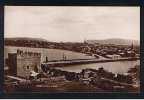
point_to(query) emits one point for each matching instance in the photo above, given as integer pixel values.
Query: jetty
(61, 63)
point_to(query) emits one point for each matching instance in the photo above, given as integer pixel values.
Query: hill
(114, 41)
(26, 39)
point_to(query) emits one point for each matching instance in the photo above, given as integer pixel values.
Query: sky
(72, 23)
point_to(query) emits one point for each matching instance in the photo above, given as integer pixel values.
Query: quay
(85, 61)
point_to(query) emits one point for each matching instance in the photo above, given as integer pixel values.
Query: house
(114, 56)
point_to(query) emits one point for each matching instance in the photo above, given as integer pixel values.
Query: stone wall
(27, 62)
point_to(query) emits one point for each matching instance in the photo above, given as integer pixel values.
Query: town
(92, 49)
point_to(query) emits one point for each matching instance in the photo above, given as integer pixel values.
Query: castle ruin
(22, 63)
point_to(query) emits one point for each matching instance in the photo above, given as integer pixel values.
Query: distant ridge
(116, 41)
(26, 38)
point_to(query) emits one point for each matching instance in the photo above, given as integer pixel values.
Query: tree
(46, 59)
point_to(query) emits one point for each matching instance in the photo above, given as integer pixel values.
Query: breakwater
(87, 61)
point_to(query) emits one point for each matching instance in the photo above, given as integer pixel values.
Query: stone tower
(27, 62)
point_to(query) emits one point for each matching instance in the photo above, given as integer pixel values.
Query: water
(55, 54)
(52, 54)
(120, 67)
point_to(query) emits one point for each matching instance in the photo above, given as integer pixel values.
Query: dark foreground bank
(88, 80)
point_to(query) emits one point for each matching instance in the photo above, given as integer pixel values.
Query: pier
(84, 61)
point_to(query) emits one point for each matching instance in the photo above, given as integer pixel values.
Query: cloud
(72, 23)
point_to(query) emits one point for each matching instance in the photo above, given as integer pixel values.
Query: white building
(115, 56)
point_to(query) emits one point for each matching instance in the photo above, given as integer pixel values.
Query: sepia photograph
(71, 49)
